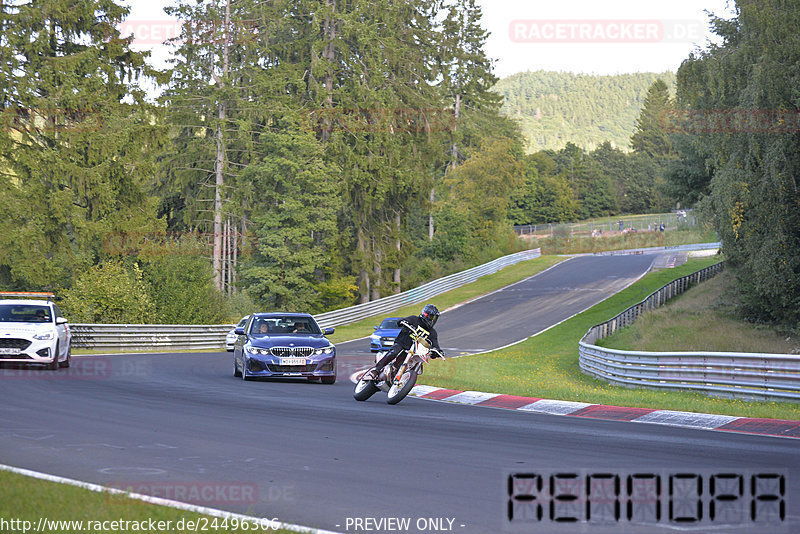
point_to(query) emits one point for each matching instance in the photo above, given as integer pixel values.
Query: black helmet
(429, 315)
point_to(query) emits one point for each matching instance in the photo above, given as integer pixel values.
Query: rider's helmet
(429, 315)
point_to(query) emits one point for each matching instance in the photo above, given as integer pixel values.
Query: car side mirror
(328, 331)
(61, 320)
(374, 327)
(238, 331)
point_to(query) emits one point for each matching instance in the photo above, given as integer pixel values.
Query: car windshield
(284, 326)
(25, 313)
(389, 323)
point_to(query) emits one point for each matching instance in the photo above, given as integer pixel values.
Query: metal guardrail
(138, 336)
(729, 374)
(187, 337)
(661, 250)
(671, 221)
(421, 293)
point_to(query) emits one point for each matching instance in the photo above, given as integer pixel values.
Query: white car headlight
(45, 336)
(326, 350)
(375, 337)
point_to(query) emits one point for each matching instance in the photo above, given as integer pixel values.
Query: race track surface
(308, 454)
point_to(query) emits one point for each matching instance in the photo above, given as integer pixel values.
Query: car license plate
(10, 352)
(293, 361)
(388, 343)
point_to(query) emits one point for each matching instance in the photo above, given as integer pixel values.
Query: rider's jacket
(412, 327)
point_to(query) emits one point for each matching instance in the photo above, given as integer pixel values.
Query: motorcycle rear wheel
(364, 390)
(396, 394)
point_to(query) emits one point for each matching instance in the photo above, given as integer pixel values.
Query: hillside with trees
(556, 108)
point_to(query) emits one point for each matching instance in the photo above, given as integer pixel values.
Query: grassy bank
(701, 319)
(546, 365)
(28, 499)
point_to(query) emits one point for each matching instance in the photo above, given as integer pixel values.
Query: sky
(580, 36)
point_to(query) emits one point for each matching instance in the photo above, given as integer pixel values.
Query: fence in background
(671, 221)
(730, 374)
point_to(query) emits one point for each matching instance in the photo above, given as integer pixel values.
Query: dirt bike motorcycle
(397, 382)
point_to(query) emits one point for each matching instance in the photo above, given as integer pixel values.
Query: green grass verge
(24, 498)
(702, 318)
(482, 286)
(546, 365)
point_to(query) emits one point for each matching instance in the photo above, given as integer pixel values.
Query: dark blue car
(384, 334)
(284, 345)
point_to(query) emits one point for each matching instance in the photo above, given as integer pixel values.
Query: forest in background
(587, 110)
(309, 155)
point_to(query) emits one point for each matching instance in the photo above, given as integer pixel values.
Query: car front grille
(14, 343)
(287, 352)
(291, 368)
(15, 357)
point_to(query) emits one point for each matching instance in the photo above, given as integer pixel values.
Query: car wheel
(245, 374)
(328, 379)
(53, 366)
(68, 359)
(236, 371)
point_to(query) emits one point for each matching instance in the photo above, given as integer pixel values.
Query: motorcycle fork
(402, 370)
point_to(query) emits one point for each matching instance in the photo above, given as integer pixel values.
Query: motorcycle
(397, 382)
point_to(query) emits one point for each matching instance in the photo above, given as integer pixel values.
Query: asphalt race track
(182, 427)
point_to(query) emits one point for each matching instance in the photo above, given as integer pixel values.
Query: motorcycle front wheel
(364, 389)
(399, 391)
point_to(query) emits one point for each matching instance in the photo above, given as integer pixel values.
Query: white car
(33, 331)
(230, 339)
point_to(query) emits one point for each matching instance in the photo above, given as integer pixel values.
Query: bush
(109, 293)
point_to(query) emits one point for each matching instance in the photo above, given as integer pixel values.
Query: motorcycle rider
(418, 325)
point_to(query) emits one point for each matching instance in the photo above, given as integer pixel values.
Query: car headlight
(44, 337)
(326, 350)
(375, 338)
(254, 350)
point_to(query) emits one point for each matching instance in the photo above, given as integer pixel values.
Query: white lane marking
(687, 419)
(213, 512)
(470, 397)
(555, 407)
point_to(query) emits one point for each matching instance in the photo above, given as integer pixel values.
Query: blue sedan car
(288, 345)
(384, 335)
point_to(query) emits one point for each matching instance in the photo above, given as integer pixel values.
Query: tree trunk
(220, 162)
(430, 218)
(329, 53)
(235, 258)
(397, 269)
(377, 270)
(363, 275)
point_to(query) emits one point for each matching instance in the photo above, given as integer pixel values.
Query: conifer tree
(76, 139)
